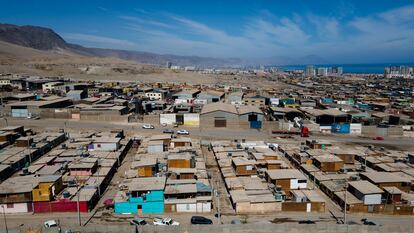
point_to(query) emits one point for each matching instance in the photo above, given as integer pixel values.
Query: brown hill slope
(23, 60)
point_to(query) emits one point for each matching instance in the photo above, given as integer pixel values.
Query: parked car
(51, 223)
(182, 132)
(306, 222)
(147, 126)
(200, 220)
(383, 125)
(273, 146)
(33, 117)
(138, 221)
(236, 222)
(165, 222)
(378, 138)
(168, 131)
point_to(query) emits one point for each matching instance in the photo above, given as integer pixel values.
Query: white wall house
(365, 191)
(155, 95)
(52, 86)
(14, 208)
(4, 82)
(298, 184)
(105, 144)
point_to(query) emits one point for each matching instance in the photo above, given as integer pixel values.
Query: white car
(147, 126)
(165, 222)
(50, 223)
(182, 132)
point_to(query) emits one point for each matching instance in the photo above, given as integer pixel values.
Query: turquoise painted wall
(154, 204)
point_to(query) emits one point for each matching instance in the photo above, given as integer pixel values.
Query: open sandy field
(26, 61)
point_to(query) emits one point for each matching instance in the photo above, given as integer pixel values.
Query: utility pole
(5, 220)
(346, 190)
(79, 215)
(218, 202)
(97, 181)
(314, 178)
(78, 207)
(30, 154)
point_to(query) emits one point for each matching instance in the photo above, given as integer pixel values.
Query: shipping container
(341, 128)
(168, 119)
(192, 119)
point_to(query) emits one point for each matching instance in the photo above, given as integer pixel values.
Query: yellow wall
(44, 191)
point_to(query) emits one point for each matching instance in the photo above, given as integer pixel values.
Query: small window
(10, 205)
(302, 181)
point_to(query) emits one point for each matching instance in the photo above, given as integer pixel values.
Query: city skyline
(341, 32)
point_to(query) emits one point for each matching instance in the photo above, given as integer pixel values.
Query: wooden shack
(181, 160)
(348, 156)
(243, 166)
(182, 173)
(328, 163)
(387, 179)
(146, 167)
(24, 141)
(392, 195)
(287, 179)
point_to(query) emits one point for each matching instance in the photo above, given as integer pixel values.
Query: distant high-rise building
(322, 71)
(168, 65)
(310, 71)
(335, 71)
(399, 72)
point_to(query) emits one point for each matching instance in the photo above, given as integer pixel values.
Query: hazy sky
(340, 31)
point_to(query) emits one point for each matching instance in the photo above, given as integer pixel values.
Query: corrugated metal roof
(248, 109)
(365, 187)
(219, 107)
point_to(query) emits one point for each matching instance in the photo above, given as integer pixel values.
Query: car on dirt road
(165, 222)
(168, 131)
(50, 224)
(147, 126)
(182, 132)
(200, 220)
(138, 221)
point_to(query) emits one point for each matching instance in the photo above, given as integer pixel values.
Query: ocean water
(353, 68)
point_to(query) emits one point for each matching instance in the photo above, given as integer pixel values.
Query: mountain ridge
(43, 38)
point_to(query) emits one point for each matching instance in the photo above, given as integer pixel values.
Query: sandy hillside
(23, 60)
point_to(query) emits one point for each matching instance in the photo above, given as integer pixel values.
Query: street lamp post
(345, 196)
(77, 204)
(5, 220)
(365, 160)
(30, 153)
(218, 202)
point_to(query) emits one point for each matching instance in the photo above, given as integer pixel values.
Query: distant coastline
(352, 68)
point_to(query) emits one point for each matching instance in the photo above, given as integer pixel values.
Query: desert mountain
(46, 39)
